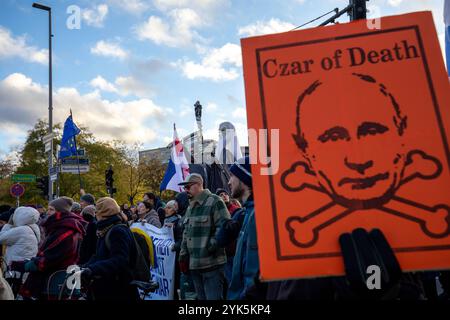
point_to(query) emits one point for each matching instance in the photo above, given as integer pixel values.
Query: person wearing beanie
(76, 208)
(246, 262)
(88, 213)
(87, 199)
(64, 232)
(110, 268)
(200, 255)
(61, 205)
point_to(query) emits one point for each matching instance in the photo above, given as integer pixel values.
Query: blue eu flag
(68, 147)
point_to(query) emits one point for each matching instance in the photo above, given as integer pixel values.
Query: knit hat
(76, 207)
(220, 190)
(242, 170)
(62, 204)
(89, 210)
(89, 198)
(107, 207)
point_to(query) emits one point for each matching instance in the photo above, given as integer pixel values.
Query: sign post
(16, 191)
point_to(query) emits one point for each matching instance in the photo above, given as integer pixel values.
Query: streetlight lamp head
(41, 6)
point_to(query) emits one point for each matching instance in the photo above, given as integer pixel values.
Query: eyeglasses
(188, 186)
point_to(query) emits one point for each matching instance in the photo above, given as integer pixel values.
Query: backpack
(144, 258)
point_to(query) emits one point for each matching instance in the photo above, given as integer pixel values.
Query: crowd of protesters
(215, 242)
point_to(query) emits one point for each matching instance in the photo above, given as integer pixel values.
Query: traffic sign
(75, 161)
(49, 137)
(23, 178)
(74, 168)
(53, 170)
(47, 146)
(54, 177)
(17, 190)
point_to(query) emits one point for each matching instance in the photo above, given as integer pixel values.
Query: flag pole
(76, 151)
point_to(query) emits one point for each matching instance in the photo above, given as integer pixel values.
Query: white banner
(164, 272)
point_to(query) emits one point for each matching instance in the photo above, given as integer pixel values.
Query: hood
(66, 220)
(183, 202)
(158, 203)
(25, 216)
(36, 231)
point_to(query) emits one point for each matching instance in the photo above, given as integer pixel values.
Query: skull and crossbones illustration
(358, 159)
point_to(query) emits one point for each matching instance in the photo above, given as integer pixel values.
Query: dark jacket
(89, 243)
(111, 266)
(177, 229)
(64, 233)
(246, 261)
(229, 232)
(178, 237)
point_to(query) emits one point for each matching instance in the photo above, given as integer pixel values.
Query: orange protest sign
(363, 118)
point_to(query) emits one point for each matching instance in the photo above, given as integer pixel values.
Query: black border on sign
(264, 116)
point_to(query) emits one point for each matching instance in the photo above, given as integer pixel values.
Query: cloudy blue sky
(136, 66)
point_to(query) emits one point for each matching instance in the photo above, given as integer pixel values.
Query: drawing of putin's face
(350, 131)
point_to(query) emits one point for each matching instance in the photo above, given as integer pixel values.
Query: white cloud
(123, 86)
(132, 86)
(95, 16)
(100, 83)
(395, 3)
(274, 25)
(211, 107)
(15, 135)
(17, 47)
(207, 9)
(109, 49)
(25, 101)
(132, 6)
(218, 64)
(179, 31)
(167, 140)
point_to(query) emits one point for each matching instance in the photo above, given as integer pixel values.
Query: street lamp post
(50, 93)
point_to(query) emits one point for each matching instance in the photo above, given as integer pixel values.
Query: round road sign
(17, 190)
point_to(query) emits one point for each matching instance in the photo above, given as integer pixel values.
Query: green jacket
(204, 217)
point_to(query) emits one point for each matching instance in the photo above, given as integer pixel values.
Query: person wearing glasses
(200, 255)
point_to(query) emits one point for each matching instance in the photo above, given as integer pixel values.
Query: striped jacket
(204, 217)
